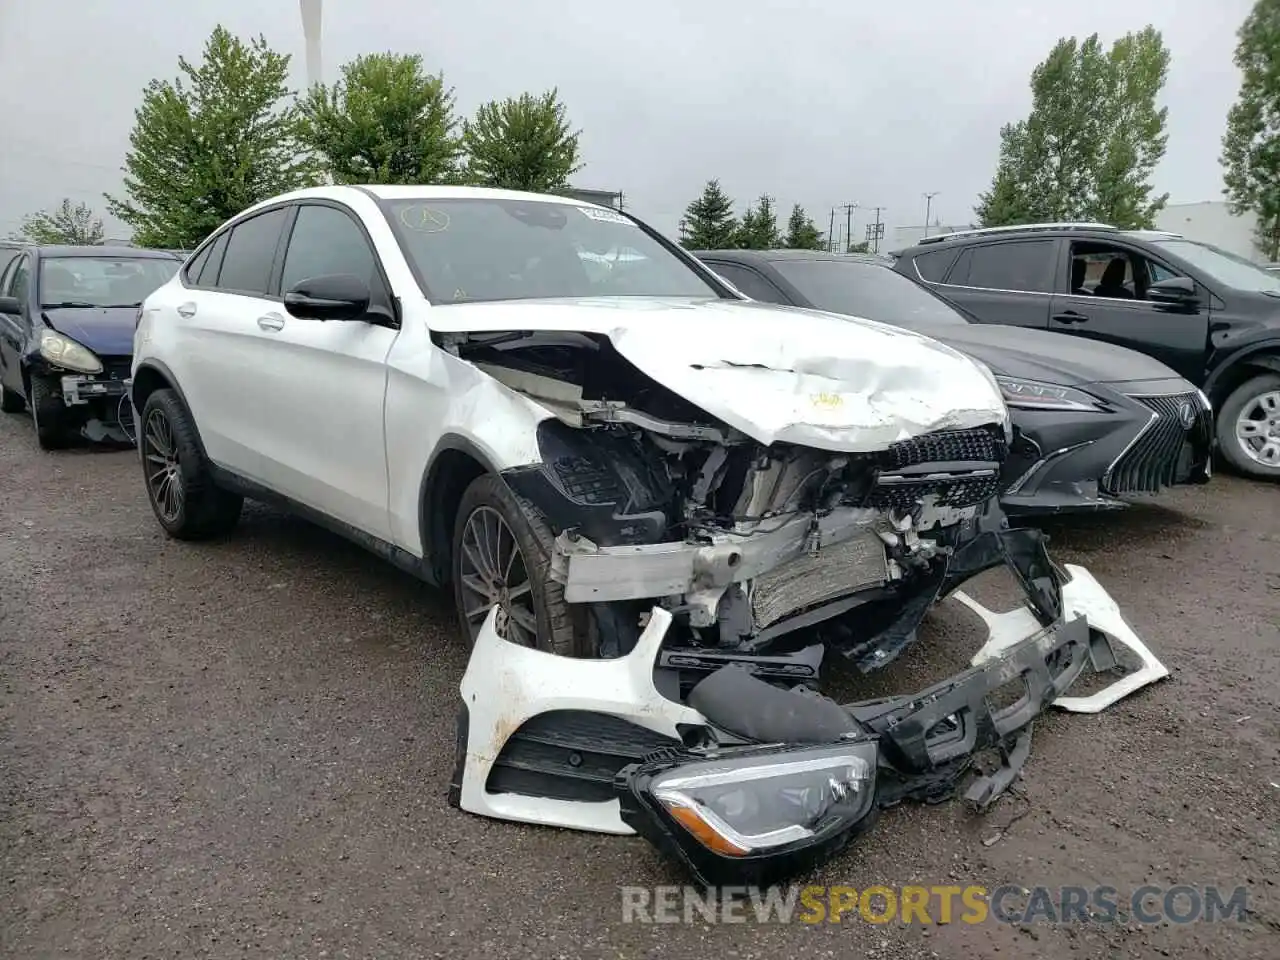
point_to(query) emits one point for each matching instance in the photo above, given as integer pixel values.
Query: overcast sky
(817, 102)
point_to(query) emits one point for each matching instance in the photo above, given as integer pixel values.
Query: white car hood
(776, 374)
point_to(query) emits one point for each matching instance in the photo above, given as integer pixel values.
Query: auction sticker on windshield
(604, 216)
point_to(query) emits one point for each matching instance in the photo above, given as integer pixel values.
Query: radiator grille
(983, 444)
(1154, 459)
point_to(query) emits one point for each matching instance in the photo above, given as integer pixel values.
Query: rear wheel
(179, 480)
(11, 402)
(502, 551)
(1249, 428)
(49, 415)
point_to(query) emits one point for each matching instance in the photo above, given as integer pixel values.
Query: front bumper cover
(534, 723)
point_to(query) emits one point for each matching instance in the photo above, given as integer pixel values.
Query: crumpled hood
(776, 374)
(107, 331)
(1050, 357)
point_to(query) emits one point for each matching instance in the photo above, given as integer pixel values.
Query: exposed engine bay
(719, 570)
(743, 543)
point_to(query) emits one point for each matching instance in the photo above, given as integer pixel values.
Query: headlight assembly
(1034, 395)
(65, 352)
(771, 805)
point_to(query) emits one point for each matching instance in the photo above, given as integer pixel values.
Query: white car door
(318, 387)
(209, 325)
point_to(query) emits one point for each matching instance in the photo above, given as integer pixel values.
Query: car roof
(420, 192)
(1101, 232)
(775, 256)
(141, 253)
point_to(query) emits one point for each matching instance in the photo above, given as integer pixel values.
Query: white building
(1211, 221)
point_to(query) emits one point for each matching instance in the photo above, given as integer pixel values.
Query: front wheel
(179, 480)
(502, 552)
(49, 415)
(1249, 428)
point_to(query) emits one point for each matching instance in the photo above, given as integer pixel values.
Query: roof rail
(1019, 228)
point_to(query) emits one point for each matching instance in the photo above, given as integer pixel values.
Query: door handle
(271, 321)
(187, 310)
(1070, 316)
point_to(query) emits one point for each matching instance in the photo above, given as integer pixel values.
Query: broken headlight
(753, 812)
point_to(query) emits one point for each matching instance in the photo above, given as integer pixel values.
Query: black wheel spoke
(492, 573)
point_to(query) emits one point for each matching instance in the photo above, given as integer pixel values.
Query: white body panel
(345, 417)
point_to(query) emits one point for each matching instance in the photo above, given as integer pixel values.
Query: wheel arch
(152, 375)
(454, 465)
(1244, 364)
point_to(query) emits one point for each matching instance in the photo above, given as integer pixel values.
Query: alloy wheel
(1258, 429)
(493, 573)
(164, 472)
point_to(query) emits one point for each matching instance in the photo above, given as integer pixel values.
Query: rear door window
(208, 276)
(1022, 266)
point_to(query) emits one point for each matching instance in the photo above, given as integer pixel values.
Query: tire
(1250, 397)
(561, 627)
(11, 402)
(179, 480)
(48, 415)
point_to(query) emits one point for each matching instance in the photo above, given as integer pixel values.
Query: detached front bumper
(746, 781)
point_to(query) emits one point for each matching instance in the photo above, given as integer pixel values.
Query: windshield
(1228, 269)
(868, 290)
(473, 250)
(102, 281)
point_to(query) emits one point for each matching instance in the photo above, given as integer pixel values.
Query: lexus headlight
(1034, 395)
(764, 802)
(65, 352)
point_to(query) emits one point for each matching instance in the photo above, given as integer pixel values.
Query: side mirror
(1180, 291)
(10, 305)
(339, 296)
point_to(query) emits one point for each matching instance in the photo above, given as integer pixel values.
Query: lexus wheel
(1249, 428)
(180, 485)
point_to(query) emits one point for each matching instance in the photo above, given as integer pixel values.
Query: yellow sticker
(423, 219)
(827, 401)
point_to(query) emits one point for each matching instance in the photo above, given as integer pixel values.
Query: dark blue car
(67, 316)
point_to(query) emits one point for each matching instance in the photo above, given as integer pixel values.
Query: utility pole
(928, 206)
(831, 233)
(848, 224)
(877, 231)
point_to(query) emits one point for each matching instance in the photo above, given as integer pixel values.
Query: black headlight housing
(750, 815)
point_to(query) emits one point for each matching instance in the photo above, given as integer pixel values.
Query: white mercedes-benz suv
(549, 408)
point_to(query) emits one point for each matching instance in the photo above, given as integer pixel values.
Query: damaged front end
(719, 560)
(749, 778)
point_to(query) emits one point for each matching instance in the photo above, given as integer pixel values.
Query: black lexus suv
(1210, 315)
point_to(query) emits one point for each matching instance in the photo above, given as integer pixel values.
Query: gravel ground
(242, 749)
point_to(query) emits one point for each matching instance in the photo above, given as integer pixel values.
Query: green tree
(521, 144)
(1092, 141)
(759, 227)
(862, 246)
(709, 223)
(802, 232)
(1251, 146)
(68, 223)
(386, 120)
(219, 138)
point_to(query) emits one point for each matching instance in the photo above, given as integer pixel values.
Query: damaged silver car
(658, 505)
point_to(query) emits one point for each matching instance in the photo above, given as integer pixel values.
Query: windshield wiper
(66, 303)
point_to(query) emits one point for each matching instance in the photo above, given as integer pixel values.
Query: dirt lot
(242, 749)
